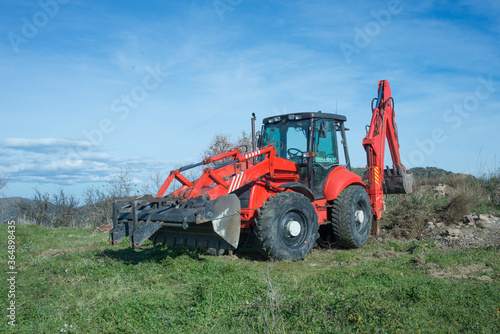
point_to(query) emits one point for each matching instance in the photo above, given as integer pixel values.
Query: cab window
(324, 149)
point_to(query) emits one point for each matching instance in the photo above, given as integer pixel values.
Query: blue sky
(90, 88)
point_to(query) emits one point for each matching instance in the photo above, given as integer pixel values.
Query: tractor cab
(309, 140)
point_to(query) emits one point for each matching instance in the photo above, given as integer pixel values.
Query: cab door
(325, 150)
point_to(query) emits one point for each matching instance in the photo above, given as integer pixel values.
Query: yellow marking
(377, 176)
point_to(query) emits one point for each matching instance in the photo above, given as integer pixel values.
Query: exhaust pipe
(254, 142)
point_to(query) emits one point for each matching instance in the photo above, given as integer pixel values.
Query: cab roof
(304, 115)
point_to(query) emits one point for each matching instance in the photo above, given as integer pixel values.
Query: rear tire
(351, 217)
(287, 227)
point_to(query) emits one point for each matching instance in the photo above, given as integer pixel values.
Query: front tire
(287, 227)
(351, 217)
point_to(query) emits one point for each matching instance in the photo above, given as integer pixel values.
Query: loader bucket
(397, 181)
(179, 222)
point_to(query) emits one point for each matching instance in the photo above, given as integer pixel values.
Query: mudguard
(299, 188)
(338, 179)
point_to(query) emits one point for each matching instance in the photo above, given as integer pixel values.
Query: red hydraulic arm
(383, 126)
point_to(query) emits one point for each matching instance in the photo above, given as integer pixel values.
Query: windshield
(288, 136)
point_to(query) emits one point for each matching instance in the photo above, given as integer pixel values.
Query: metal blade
(224, 212)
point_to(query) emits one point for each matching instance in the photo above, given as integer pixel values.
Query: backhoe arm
(383, 126)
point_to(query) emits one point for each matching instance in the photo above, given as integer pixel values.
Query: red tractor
(286, 192)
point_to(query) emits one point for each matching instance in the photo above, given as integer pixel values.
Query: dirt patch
(461, 272)
(386, 254)
(408, 222)
(473, 230)
(103, 228)
(421, 264)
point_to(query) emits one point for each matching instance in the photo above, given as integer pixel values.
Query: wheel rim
(361, 215)
(293, 229)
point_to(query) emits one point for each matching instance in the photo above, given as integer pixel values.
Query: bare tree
(37, 210)
(99, 201)
(156, 181)
(65, 209)
(41, 208)
(219, 144)
(122, 185)
(244, 142)
(99, 206)
(157, 178)
(3, 181)
(222, 143)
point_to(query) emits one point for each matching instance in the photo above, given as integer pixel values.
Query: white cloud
(42, 144)
(46, 160)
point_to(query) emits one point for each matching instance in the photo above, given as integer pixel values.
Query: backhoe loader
(290, 188)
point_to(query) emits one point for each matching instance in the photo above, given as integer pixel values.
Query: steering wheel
(295, 153)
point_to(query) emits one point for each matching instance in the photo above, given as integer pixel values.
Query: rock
(439, 225)
(440, 191)
(485, 218)
(467, 219)
(454, 232)
(430, 225)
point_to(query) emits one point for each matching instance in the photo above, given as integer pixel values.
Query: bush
(98, 207)
(407, 215)
(41, 210)
(491, 183)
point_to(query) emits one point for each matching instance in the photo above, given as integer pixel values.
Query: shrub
(407, 215)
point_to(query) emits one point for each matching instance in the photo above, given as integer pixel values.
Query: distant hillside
(422, 172)
(418, 172)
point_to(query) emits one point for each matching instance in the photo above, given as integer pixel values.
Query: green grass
(72, 280)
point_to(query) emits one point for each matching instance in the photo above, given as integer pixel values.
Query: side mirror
(323, 129)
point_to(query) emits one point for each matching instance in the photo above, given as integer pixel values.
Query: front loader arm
(181, 217)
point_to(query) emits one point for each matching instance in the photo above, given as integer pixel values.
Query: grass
(71, 280)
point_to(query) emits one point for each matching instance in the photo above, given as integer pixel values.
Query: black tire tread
(341, 217)
(268, 243)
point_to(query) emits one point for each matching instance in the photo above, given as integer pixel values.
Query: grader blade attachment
(224, 212)
(396, 181)
(173, 221)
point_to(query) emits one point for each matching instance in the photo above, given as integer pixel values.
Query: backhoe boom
(393, 180)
